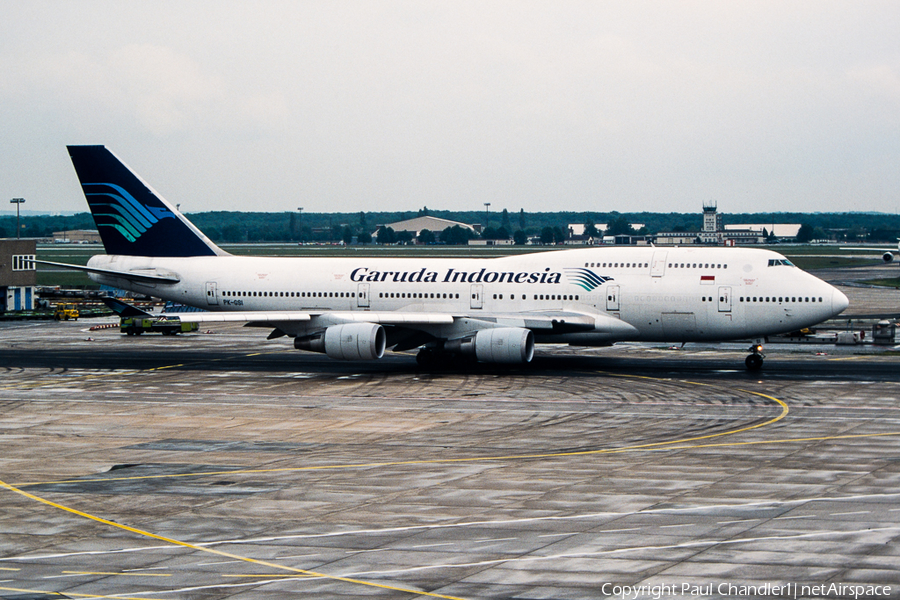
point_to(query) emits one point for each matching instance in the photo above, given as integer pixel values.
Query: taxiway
(220, 465)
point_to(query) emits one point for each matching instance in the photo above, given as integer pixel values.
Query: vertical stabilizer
(132, 219)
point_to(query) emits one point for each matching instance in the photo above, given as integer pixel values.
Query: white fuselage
(672, 295)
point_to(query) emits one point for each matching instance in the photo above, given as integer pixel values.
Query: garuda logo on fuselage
(585, 278)
(124, 214)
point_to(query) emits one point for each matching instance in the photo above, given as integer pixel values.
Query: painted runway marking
(305, 574)
(626, 550)
(119, 573)
(772, 504)
(183, 544)
(737, 521)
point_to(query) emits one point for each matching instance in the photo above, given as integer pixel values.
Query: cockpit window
(779, 262)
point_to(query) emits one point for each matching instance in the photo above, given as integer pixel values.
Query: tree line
(549, 227)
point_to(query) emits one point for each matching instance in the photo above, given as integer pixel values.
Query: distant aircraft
(888, 255)
(493, 310)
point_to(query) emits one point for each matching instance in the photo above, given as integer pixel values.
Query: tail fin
(132, 219)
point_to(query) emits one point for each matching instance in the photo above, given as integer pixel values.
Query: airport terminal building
(18, 276)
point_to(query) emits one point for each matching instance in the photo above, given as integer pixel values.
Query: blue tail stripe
(120, 229)
(137, 220)
(124, 223)
(131, 217)
(140, 208)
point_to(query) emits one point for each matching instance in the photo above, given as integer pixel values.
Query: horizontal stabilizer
(141, 277)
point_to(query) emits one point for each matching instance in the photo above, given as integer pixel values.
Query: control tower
(712, 220)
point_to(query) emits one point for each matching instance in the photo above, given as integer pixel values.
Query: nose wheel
(754, 362)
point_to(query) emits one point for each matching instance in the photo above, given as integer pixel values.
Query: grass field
(805, 257)
(892, 282)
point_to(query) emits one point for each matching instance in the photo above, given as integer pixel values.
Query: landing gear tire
(754, 362)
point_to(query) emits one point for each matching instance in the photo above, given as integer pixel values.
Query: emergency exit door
(612, 297)
(724, 298)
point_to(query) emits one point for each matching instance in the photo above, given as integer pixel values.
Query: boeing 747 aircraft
(492, 309)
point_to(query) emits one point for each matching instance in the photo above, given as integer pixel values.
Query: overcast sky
(377, 105)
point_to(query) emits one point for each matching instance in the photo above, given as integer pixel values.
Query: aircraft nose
(839, 302)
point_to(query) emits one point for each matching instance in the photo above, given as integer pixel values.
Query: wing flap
(245, 316)
(332, 317)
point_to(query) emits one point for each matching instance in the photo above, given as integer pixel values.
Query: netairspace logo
(781, 590)
(127, 216)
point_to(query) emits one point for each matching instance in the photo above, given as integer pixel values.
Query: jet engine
(887, 257)
(350, 341)
(508, 345)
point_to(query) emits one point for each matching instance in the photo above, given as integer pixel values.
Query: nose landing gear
(754, 362)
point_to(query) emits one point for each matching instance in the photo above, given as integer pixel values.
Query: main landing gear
(754, 362)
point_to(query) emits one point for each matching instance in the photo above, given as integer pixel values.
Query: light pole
(487, 209)
(17, 202)
(300, 224)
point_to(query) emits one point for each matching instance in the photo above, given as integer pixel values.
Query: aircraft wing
(543, 322)
(870, 248)
(262, 317)
(887, 252)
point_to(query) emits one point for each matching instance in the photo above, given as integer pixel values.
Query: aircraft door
(362, 295)
(612, 297)
(658, 263)
(477, 294)
(724, 298)
(211, 296)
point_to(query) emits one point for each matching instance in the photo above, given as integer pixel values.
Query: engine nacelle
(509, 345)
(887, 257)
(350, 341)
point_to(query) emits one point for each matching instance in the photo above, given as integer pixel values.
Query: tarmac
(221, 465)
